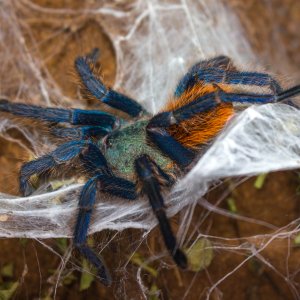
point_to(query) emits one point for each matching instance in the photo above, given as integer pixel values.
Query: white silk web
(153, 50)
(155, 42)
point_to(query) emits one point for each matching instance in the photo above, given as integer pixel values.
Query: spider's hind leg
(146, 170)
(61, 155)
(86, 203)
(102, 182)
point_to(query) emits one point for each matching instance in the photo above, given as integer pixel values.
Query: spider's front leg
(157, 131)
(59, 115)
(147, 171)
(93, 84)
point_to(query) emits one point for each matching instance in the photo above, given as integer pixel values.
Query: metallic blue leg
(190, 78)
(61, 155)
(292, 92)
(145, 168)
(221, 70)
(110, 184)
(210, 101)
(168, 145)
(60, 115)
(117, 186)
(80, 133)
(233, 77)
(96, 87)
(157, 127)
(86, 203)
(93, 56)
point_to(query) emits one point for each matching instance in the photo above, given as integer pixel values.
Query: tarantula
(148, 153)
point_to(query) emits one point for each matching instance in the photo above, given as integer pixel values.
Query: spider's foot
(97, 262)
(26, 189)
(180, 259)
(4, 105)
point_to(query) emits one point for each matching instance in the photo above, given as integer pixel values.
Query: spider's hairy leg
(167, 144)
(190, 79)
(221, 70)
(94, 85)
(210, 101)
(95, 163)
(157, 131)
(145, 168)
(183, 156)
(102, 181)
(213, 75)
(60, 115)
(61, 155)
(80, 133)
(93, 56)
(294, 91)
(86, 202)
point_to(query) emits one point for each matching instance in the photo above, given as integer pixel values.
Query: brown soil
(276, 203)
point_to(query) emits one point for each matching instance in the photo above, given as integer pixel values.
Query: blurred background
(39, 41)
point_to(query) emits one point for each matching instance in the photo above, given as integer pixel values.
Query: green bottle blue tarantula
(148, 153)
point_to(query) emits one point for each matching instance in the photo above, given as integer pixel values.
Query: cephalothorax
(122, 147)
(146, 154)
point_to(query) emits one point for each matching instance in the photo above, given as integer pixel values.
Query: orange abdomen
(203, 127)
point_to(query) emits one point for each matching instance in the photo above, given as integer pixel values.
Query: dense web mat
(148, 50)
(155, 43)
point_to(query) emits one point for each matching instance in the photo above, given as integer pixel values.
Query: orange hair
(201, 128)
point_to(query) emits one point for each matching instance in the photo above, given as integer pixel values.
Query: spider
(148, 153)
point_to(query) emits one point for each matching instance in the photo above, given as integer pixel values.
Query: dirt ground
(277, 202)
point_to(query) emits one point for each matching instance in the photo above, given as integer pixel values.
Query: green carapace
(128, 143)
